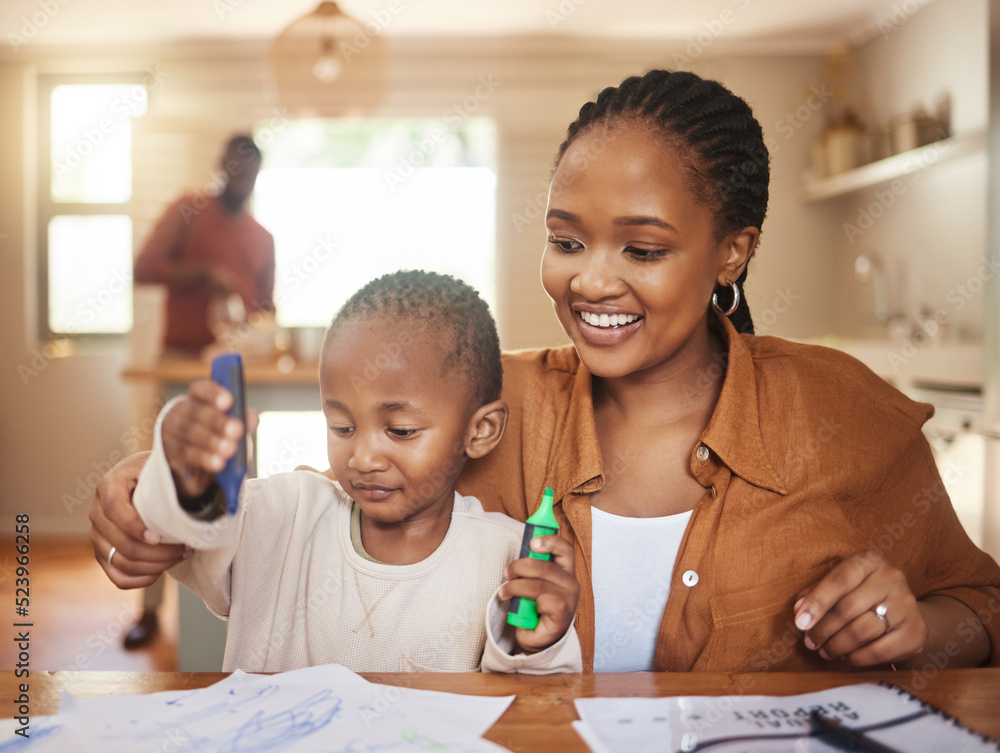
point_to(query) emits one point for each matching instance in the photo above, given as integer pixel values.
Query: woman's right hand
(139, 557)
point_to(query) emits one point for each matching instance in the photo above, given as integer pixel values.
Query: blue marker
(227, 371)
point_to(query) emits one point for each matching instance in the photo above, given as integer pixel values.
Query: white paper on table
(474, 714)
(307, 711)
(590, 737)
(7, 727)
(768, 724)
(46, 736)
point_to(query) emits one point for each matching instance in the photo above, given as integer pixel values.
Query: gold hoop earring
(733, 306)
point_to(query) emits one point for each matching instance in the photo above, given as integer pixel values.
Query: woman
(736, 503)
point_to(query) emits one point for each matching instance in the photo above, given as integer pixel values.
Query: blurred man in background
(206, 250)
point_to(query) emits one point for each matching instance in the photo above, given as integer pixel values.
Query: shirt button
(690, 579)
(701, 453)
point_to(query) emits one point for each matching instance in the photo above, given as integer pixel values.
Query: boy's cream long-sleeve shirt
(296, 593)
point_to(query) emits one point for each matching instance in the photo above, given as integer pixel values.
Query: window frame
(46, 208)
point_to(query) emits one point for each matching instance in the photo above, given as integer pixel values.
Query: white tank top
(632, 561)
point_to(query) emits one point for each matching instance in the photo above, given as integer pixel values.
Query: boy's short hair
(449, 306)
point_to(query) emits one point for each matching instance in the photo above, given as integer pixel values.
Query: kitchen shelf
(896, 166)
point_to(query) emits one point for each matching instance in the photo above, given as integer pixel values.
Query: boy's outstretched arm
(176, 495)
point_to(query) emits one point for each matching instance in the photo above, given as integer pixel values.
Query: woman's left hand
(838, 618)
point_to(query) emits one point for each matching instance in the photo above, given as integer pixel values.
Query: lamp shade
(328, 64)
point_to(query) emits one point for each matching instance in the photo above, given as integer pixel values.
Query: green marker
(523, 613)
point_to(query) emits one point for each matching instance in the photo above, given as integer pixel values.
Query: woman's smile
(607, 329)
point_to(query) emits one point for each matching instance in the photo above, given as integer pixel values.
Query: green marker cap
(544, 516)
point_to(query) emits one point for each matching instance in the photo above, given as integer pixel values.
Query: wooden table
(539, 720)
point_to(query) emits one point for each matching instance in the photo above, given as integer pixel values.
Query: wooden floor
(79, 617)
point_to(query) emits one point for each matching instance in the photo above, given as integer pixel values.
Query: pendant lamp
(328, 64)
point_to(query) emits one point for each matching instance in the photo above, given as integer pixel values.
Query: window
(288, 439)
(349, 200)
(85, 229)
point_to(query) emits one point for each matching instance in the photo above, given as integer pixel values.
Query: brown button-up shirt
(808, 458)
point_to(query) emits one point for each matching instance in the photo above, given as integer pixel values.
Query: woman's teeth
(607, 320)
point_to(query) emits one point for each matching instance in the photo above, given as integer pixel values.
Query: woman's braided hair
(717, 136)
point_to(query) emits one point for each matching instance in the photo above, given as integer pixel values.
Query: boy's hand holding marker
(542, 584)
(198, 436)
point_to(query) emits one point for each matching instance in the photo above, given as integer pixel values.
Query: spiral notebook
(885, 715)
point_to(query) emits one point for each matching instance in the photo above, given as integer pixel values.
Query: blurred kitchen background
(448, 115)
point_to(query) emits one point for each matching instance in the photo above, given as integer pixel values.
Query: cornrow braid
(717, 136)
(452, 307)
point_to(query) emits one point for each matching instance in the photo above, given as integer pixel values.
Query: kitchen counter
(950, 377)
(910, 362)
(271, 385)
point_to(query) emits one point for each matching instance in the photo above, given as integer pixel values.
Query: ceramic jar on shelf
(843, 145)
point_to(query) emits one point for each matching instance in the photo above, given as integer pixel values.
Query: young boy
(387, 569)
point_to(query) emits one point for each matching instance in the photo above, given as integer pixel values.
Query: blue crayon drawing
(246, 714)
